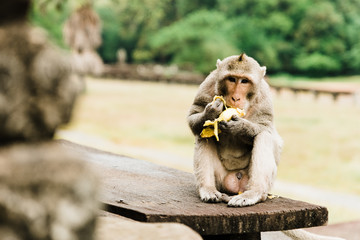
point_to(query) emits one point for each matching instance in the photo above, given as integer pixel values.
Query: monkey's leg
(262, 172)
(206, 161)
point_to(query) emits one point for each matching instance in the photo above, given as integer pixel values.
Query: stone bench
(147, 192)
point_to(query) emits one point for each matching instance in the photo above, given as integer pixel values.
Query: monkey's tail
(299, 234)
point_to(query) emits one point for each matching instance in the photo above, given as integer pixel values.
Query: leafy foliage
(312, 37)
(49, 19)
(197, 38)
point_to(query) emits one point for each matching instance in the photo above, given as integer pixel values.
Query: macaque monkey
(244, 160)
(246, 156)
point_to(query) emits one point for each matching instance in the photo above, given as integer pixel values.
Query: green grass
(141, 119)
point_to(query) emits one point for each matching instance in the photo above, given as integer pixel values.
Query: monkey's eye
(232, 79)
(244, 81)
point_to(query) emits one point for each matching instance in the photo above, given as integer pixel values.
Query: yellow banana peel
(211, 127)
(272, 196)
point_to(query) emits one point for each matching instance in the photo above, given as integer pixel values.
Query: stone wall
(45, 191)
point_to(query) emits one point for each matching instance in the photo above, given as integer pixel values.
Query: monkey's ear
(263, 69)
(241, 57)
(218, 62)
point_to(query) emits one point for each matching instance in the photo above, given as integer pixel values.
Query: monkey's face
(237, 91)
(238, 77)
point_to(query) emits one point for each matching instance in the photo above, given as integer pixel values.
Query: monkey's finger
(235, 118)
(225, 198)
(218, 103)
(217, 107)
(223, 126)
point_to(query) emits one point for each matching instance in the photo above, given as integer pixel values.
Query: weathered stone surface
(46, 193)
(82, 33)
(37, 87)
(114, 228)
(148, 192)
(87, 62)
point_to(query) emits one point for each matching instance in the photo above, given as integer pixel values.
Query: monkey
(243, 163)
(251, 143)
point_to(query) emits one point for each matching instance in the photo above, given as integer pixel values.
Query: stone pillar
(46, 193)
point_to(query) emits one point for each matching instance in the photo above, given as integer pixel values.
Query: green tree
(110, 34)
(135, 19)
(297, 36)
(349, 9)
(198, 39)
(48, 15)
(262, 29)
(320, 38)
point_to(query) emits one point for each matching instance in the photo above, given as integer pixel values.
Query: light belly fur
(235, 158)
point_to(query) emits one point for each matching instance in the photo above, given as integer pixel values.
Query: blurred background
(131, 106)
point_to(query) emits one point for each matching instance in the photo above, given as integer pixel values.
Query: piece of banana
(211, 127)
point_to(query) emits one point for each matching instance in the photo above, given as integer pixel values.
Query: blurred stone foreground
(46, 191)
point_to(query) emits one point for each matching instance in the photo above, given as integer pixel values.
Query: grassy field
(148, 120)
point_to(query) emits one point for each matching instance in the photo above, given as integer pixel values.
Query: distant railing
(316, 90)
(155, 73)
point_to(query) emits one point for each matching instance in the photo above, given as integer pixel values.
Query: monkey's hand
(213, 109)
(240, 127)
(232, 126)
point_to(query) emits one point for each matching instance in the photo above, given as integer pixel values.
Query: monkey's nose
(235, 99)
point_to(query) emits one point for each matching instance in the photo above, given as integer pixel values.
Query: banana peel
(211, 127)
(272, 196)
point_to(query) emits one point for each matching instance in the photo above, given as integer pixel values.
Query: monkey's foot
(208, 194)
(225, 198)
(247, 198)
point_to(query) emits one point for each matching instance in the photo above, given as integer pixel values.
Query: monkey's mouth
(240, 106)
